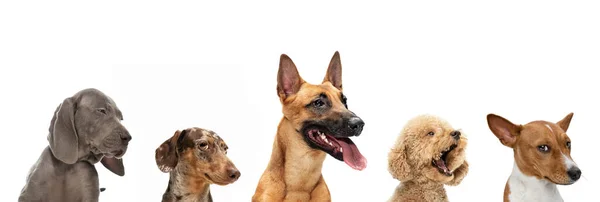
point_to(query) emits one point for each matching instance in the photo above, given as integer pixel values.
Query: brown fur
(294, 171)
(525, 139)
(410, 160)
(195, 158)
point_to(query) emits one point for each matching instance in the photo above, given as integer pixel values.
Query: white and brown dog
(542, 152)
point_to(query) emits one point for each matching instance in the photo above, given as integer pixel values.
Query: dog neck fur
(431, 191)
(527, 188)
(308, 162)
(186, 187)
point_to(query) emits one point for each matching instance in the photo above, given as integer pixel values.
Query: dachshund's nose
(356, 125)
(455, 134)
(234, 174)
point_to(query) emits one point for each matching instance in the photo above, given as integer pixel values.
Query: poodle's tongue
(352, 156)
(442, 166)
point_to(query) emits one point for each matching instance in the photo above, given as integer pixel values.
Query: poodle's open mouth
(341, 148)
(440, 162)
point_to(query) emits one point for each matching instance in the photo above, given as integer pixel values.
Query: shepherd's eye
(543, 148)
(569, 145)
(430, 133)
(101, 110)
(203, 145)
(345, 101)
(318, 103)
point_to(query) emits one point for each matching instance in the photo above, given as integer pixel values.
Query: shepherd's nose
(356, 124)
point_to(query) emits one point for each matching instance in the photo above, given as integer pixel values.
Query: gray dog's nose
(125, 137)
(455, 134)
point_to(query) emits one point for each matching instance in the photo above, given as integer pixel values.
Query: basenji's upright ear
(564, 123)
(288, 78)
(503, 129)
(334, 72)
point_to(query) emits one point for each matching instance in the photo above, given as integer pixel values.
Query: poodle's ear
(459, 174)
(398, 163)
(503, 129)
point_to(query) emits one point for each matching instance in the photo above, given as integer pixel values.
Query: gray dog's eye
(101, 110)
(430, 133)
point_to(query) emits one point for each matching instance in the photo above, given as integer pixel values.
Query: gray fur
(85, 129)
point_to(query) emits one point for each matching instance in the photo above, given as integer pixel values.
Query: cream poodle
(428, 154)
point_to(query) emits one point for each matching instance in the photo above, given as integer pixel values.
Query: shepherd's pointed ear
(334, 72)
(503, 129)
(564, 123)
(288, 78)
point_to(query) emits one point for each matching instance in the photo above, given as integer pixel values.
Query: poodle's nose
(455, 134)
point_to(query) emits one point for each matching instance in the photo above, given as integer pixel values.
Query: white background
(180, 64)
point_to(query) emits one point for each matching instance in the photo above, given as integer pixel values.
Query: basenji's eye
(203, 145)
(569, 145)
(543, 148)
(430, 133)
(318, 103)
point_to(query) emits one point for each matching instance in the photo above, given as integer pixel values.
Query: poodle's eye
(543, 148)
(430, 133)
(101, 110)
(569, 145)
(203, 145)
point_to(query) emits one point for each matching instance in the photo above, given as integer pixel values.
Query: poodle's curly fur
(422, 141)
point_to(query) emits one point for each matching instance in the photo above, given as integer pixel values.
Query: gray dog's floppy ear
(114, 165)
(63, 138)
(166, 154)
(398, 163)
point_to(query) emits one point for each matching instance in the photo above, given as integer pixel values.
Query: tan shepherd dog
(316, 121)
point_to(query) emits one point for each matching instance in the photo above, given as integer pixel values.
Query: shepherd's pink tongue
(352, 156)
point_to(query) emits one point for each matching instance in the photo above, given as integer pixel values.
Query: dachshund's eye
(569, 145)
(203, 145)
(101, 110)
(318, 103)
(543, 148)
(430, 133)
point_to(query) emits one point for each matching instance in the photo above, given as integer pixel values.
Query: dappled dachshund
(195, 158)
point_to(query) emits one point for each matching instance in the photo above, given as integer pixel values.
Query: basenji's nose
(574, 173)
(356, 125)
(455, 134)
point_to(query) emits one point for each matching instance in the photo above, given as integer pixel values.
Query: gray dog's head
(88, 127)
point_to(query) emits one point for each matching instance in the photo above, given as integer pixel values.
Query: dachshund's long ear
(166, 154)
(398, 162)
(63, 138)
(459, 174)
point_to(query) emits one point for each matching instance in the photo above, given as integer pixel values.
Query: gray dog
(85, 129)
